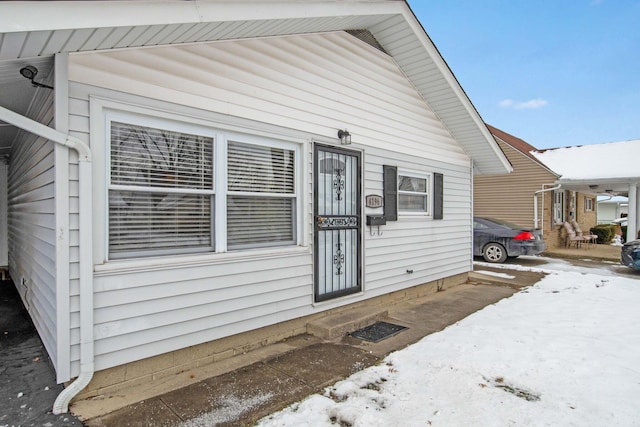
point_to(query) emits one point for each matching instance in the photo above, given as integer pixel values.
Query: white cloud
(522, 105)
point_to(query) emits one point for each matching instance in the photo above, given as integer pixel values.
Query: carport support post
(633, 221)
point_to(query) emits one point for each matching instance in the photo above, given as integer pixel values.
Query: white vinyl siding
(432, 249)
(4, 253)
(31, 224)
(301, 88)
(308, 82)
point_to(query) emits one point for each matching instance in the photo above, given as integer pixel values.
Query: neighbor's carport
(610, 168)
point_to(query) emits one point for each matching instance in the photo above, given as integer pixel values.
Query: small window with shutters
(409, 193)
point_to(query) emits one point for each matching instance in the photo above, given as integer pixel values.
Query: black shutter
(437, 195)
(390, 178)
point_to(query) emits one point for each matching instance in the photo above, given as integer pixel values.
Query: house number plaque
(373, 201)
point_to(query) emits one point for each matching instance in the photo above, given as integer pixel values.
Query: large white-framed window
(558, 206)
(414, 189)
(176, 188)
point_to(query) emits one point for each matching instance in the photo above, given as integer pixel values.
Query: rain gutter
(61, 404)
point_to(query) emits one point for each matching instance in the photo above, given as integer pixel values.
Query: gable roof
(519, 145)
(32, 32)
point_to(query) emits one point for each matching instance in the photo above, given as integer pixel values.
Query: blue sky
(552, 72)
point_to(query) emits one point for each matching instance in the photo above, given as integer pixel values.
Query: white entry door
(337, 222)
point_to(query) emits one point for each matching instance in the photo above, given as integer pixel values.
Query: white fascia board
(22, 16)
(598, 181)
(455, 86)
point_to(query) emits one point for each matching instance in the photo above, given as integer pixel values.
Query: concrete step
(340, 324)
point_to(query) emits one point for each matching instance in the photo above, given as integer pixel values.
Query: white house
(612, 207)
(175, 175)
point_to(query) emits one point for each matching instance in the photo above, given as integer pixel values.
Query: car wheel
(494, 252)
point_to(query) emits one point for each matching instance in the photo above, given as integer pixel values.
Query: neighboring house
(199, 181)
(609, 168)
(612, 207)
(530, 196)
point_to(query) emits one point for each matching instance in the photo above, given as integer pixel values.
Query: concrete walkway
(307, 364)
(595, 252)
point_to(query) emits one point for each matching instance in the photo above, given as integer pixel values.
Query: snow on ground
(234, 407)
(565, 351)
(494, 274)
(552, 265)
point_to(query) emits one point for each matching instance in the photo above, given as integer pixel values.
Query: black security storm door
(338, 222)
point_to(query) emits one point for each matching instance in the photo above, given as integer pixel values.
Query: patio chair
(572, 238)
(590, 239)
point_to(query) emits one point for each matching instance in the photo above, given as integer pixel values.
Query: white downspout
(61, 405)
(535, 205)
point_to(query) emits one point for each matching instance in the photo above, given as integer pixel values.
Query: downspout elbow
(83, 150)
(61, 404)
(544, 190)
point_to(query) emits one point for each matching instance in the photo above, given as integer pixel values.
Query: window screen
(261, 196)
(412, 193)
(161, 191)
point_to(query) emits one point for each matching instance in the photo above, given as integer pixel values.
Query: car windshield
(505, 224)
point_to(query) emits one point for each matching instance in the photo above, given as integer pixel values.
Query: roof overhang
(617, 186)
(37, 30)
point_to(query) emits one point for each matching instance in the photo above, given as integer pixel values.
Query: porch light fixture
(345, 137)
(30, 72)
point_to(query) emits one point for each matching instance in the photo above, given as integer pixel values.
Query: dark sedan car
(497, 240)
(630, 255)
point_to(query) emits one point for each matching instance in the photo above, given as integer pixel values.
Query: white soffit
(30, 29)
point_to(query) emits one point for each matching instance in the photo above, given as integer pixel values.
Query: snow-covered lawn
(565, 352)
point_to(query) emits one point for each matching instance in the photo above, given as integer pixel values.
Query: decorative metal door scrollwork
(337, 222)
(338, 183)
